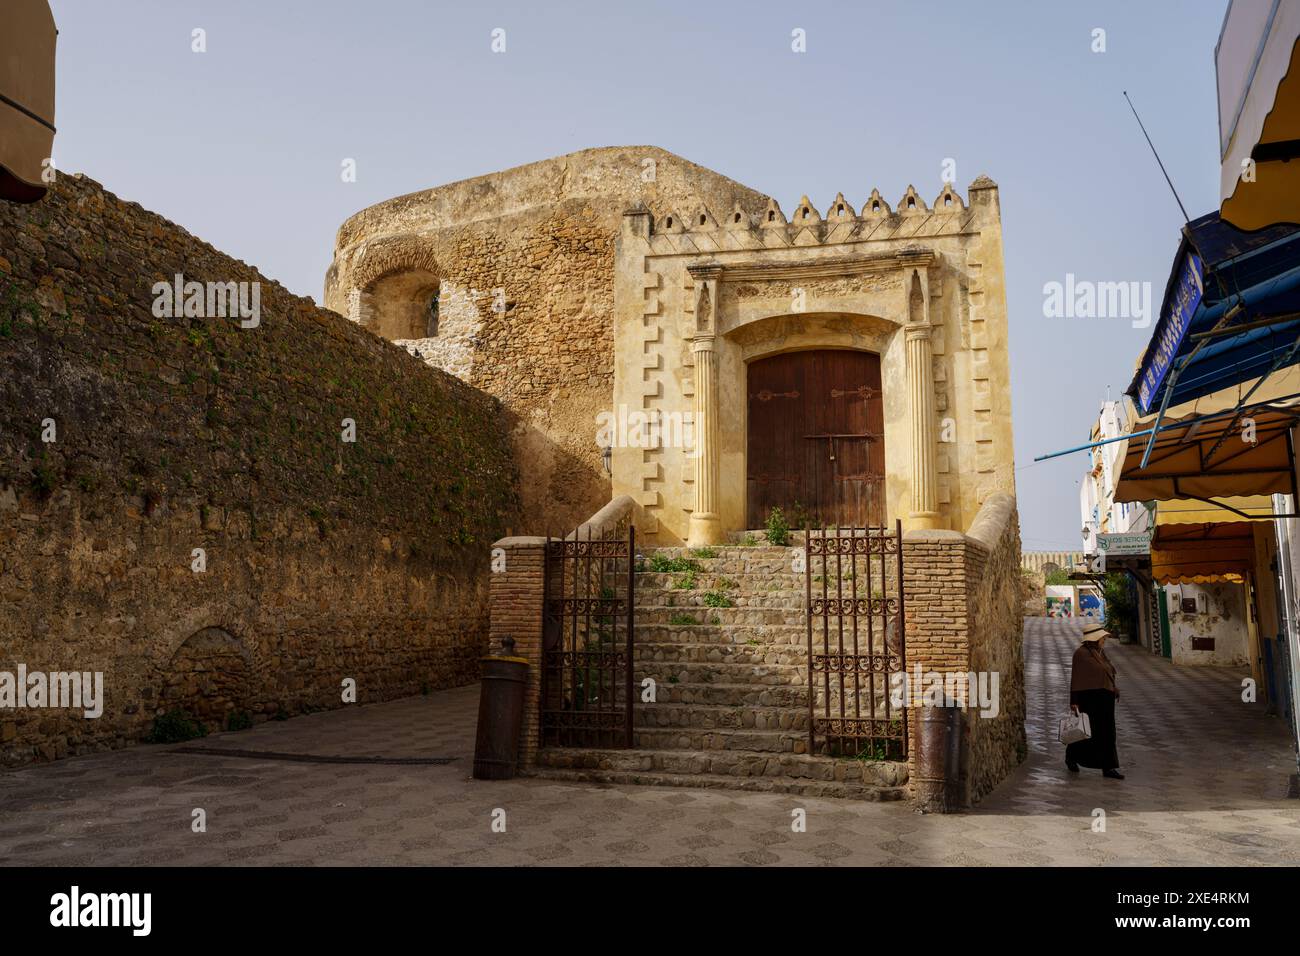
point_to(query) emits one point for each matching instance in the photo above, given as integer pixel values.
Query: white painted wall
(1223, 617)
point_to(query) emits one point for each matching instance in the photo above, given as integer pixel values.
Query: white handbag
(1074, 727)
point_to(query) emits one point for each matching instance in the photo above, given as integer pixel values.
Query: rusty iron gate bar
(587, 630)
(855, 641)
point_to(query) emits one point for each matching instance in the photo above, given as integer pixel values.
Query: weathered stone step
(785, 602)
(724, 553)
(772, 571)
(720, 616)
(719, 653)
(731, 695)
(737, 767)
(684, 672)
(747, 635)
(719, 578)
(753, 634)
(709, 633)
(845, 790)
(704, 717)
(754, 741)
(788, 608)
(780, 563)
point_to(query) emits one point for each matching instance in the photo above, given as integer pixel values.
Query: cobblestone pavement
(1207, 781)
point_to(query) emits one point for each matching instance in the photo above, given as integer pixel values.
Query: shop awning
(1202, 553)
(1230, 313)
(1195, 511)
(1257, 62)
(27, 38)
(1203, 457)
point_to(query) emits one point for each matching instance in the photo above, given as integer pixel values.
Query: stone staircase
(726, 647)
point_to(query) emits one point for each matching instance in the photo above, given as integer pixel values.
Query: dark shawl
(1091, 669)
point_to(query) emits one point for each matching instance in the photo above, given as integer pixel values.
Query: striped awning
(1203, 553)
(1238, 453)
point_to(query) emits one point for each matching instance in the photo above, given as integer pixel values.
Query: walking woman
(1093, 691)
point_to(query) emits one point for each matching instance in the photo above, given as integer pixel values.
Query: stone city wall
(128, 440)
(522, 263)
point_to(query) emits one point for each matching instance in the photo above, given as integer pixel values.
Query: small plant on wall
(778, 529)
(174, 727)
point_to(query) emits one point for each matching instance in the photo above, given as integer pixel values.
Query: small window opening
(805, 212)
(947, 200)
(771, 217)
(840, 209)
(670, 222)
(911, 203)
(875, 206)
(737, 217)
(701, 220)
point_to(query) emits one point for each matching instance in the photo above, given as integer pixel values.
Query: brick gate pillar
(936, 587)
(516, 595)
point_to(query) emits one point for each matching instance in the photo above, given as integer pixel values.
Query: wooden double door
(815, 442)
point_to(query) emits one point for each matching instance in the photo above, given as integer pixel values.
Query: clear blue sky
(242, 144)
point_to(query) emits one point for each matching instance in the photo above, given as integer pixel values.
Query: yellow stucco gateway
(700, 299)
(659, 331)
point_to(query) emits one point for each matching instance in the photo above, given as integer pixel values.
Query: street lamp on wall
(606, 458)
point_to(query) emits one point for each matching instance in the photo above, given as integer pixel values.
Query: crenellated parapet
(915, 279)
(700, 230)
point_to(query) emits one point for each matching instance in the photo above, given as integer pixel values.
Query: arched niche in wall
(209, 677)
(404, 305)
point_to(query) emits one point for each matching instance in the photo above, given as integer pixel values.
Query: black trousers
(1098, 751)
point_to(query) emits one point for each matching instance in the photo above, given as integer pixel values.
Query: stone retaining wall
(128, 440)
(965, 615)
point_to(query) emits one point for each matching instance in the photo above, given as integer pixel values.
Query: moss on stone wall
(325, 558)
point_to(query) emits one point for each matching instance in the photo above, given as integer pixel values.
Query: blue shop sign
(1175, 318)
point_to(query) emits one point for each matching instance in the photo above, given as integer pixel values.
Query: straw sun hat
(1095, 631)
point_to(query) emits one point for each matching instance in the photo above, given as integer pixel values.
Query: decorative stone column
(920, 390)
(706, 524)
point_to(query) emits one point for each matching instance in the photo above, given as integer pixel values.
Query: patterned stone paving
(1207, 778)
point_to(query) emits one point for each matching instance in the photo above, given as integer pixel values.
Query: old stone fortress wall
(511, 310)
(323, 559)
(568, 289)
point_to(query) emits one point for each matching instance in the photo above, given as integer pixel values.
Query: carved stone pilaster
(920, 391)
(706, 522)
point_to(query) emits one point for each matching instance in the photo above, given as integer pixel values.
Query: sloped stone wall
(965, 615)
(129, 440)
(997, 744)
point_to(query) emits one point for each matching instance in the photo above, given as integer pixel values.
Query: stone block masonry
(732, 710)
(965, 615)
(522, 264)
(321, 559)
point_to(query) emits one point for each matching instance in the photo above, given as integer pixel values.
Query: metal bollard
(938, 764)
(500, 717)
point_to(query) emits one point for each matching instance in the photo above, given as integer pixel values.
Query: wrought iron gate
(856, 640)
(586, 681)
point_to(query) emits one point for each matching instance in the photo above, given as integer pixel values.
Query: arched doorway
(815, 438)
